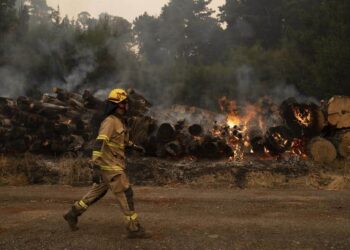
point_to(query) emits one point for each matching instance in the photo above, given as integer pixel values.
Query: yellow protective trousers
(119, 184)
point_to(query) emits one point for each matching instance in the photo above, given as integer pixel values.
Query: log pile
(60, 122)
(56, 124)
(63, 122)
(320, 131)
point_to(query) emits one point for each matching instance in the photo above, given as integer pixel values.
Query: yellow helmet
(117, 95)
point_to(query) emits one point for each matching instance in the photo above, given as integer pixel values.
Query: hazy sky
(128, 9)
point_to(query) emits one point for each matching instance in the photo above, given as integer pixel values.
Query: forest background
(186, 55)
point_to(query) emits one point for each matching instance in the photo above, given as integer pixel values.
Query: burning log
(305, 120)
(321, 150)
(341, 140)
(338, 112)
(278, 140)
(257, 140)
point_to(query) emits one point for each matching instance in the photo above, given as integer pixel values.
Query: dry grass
(73, 171)
(29, 169)
(265, 180)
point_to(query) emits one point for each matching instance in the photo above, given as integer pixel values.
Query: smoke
(12, 82)
(250, 89)
(171, 68)
(246, 84)
(86, 64)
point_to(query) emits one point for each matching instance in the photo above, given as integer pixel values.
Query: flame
(266, 151)
(298, 148)
(239, 119)
(302, 117)
(279, 139)
(233, 121)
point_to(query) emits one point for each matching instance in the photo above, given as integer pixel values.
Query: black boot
(139, 234)
(72, 218)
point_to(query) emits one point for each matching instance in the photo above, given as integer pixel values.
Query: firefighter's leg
(97, 191)
(121, 188)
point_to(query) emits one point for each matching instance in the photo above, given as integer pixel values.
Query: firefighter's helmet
(117, 95)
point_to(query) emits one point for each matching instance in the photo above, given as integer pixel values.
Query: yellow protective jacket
(109, 148)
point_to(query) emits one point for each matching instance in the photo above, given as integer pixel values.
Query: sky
(128, 9)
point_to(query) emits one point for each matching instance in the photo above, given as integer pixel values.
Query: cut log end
(339, 111)
(321, 150)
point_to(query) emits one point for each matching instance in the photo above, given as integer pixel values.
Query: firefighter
(108, 162)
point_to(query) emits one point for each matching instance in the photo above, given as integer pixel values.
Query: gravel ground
(179, 217)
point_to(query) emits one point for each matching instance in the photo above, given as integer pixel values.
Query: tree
(8, 16)
(320, 32)
(146, 30)
(254, 21)
(184, 31)
(40, 12)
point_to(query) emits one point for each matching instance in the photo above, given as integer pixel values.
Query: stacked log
(63, 121)
(341, 141)
(51, 125)
(304, 119)
(321, 150)
(278, 140)
(325, 128)
(338, 112)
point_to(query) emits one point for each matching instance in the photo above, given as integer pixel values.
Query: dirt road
(180, 218)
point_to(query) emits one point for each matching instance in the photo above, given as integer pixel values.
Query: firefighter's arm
(104, 134)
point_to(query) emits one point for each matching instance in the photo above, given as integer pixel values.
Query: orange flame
(304, 118)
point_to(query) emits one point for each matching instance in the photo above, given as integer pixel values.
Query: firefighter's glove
(96, 175)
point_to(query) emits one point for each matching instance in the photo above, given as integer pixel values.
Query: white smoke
(86, 65)
(12, 82)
